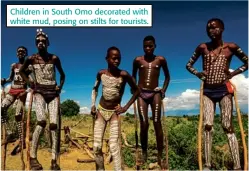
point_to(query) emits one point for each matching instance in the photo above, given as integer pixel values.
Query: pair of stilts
(240, 125)
(27, 139)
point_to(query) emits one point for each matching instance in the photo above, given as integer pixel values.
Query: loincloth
(16, 91)
(219, 92)
(47, 91)
(148, 94)
(105, 113)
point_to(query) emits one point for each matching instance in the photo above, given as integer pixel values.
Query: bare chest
(149, 66)
(16, 69)
(111, 82)
(217, 58)
(17, 76)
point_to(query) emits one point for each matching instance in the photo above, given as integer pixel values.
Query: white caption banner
(79, 15)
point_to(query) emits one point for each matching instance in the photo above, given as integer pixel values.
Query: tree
(70, 108)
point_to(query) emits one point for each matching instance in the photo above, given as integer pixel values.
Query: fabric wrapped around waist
(16, 91)
(147, 94)
(47, 91)
(218, 92)
(105, 113)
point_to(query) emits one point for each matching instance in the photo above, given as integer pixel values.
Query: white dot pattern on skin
(215, 67)
(142, 112)
(156, 113)
(19, 129)
(149, 72)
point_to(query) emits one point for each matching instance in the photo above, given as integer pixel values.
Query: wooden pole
(120, 141)
(4, 132)
(136, 135)
(28, 130)
(59, 131)
(166, 137)
(22, 140)
(241, 128)
(200, 128)
(4, 145)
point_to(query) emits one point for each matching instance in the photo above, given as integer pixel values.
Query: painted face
(214, 29)
(41, 42)
(149, 47)
(21, 53)
(114, 58)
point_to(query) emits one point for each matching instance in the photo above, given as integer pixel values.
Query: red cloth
(229, 87)
(16, 92)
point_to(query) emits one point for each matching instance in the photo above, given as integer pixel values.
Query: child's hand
(93, 110)
(202, 75)
(119, 109)
(58, 89)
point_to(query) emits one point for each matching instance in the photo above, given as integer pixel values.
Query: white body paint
(111, 87)
(149, 72)
(215, 68)
(45, 74)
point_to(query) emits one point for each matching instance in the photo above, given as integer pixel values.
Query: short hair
(218, 20)
(150, 38)
(22, 47)
(110, 49)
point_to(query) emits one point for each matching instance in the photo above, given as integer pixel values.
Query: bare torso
(44, 71)
(18, 81)
(113, 89)
(216, 63)
(149, 72)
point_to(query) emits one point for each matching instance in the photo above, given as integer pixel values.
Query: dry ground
(68, 160)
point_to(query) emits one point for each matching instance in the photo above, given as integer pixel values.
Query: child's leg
(114, 144)
(99, 129)
(53, 109)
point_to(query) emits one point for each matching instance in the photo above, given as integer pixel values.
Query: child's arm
(134, 88)
(95, 92)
